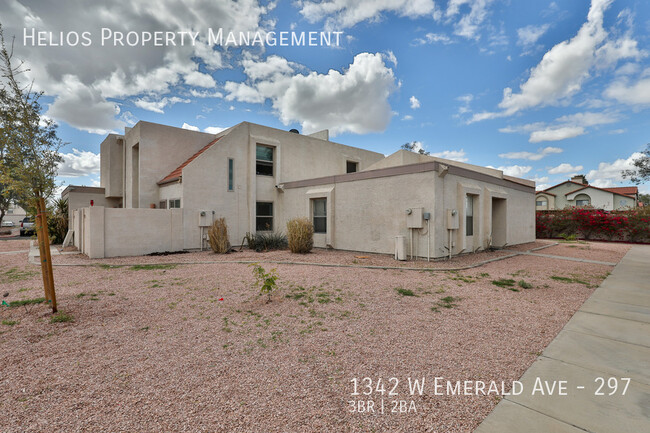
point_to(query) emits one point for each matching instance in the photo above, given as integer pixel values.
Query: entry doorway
(499, 222)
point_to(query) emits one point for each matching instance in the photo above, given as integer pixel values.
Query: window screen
(320, 215)
(264, 216)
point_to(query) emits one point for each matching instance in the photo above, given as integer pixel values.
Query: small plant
(24, 302)
(503, 282)
(62, 318)
(218, 236)
(405, 292)
(524, 285)
(300, 235)
(266, 241)
(448, 302)
(265, 281)
(9, 322)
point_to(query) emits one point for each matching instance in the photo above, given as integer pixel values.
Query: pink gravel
(156, 350)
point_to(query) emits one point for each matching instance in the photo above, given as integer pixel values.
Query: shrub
(57, 221)
(218, 236)
(266, 241)
(405, 292)
(265, 281)
(300, 235)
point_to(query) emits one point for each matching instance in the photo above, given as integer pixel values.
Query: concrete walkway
(609, 336)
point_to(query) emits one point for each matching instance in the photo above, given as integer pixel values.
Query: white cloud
(157, 106)
(407, 117)
(515, 170)
(199, 79)
(81, 79)
(190, 127)
(567, 126)
(78, 163)
(342, 14)
(541, 153)
(353, 101)
(469, 24)
(415, 103)
(529, 35)
(390, 56)
(433, 38)
(454, 155)
(205, 94)
(609, 173)
(214, 129)
(565, 168)
(566, 66)
(637, 93)
(556, 134)
(83, 107)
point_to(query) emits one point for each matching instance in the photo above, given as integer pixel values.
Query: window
(175, 203)
(351, 167)
(469, 215)
(582, 202)
(540, 203)
(264, 216)
(231, 174)
(162, 204)
(264, 160)
(320, 215)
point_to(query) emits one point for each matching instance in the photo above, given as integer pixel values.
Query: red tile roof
(601, 189)
(545, 192)
(177, 173)
(627, 190)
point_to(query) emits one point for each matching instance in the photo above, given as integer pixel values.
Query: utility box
(452, 219)
(414, 218)
(206, 218)
(400, 248)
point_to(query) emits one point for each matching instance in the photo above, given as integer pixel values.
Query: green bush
(265, 281)
(266, 241)
(218, 236)
(300, 235)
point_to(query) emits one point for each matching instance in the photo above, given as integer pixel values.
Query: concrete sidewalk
(608, 337)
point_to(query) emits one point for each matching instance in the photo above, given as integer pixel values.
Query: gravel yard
(155, 348)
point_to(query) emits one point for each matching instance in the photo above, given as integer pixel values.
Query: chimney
(580, 178)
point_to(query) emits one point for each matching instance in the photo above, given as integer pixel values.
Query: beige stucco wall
(550, 201)
(601, 199)
(161, 149)
(367, 214)
(112, 165)
(205, 180)
(81, 197)
(107, 232)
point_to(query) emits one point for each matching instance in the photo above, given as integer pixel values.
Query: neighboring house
(171, 183)
(578, 192)
(15, 214)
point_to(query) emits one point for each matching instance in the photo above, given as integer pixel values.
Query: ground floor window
(469, 215)
(175, 203)
(264, 216)
(319, 210)
(540, 202)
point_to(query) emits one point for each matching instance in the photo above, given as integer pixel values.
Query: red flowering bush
(589, 223)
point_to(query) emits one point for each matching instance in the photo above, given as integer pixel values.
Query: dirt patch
(155, 348)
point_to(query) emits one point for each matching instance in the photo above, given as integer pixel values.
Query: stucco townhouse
(162, 187)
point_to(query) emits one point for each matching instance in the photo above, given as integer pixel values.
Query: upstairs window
(320, 215)
(264, 160)
(469, 215)
(162, 204)
(231, 174)
(175, 203)
(264, 216)
(351, 167)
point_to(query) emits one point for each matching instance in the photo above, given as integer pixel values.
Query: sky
(541, 90)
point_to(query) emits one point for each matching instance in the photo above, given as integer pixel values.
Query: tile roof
(627, 190)
(545, 192)
(601, 189)
(177, 173)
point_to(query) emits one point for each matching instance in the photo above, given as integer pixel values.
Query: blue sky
(541, 90)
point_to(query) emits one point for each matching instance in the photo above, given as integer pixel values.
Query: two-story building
(161, 187)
